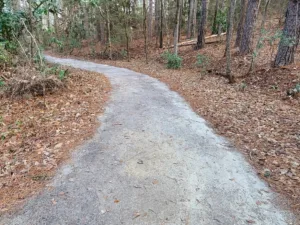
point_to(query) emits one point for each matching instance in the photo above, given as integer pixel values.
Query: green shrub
(4, 55)
(59, 44)
(124, 53)
(2, 83)
(202, 61)
(294, 91)
(173, 61)
(221, 20)
(62, 74)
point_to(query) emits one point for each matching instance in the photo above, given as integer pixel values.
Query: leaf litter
(38, 133)
(255, 113)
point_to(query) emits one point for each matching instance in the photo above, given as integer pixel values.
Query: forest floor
(38, 133)
(255, 113)
(152, 161)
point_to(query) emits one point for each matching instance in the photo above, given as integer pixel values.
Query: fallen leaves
(254, 113)
(37, 133)
(258, 120)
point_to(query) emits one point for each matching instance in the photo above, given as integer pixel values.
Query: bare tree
(108, 30)
(194, 24)
(145, 30)
(161, 34)
(228, 40)
(190, 18)
(201, 35)
(1, 5)
(248, 28)
(214, 29)
(180, 19)
(156, 20)
(220, 25)
(150, 16)
(241, 23)
(262, 27)
(176, 33)
(290, 37)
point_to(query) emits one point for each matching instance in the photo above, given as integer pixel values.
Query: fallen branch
(208, 40)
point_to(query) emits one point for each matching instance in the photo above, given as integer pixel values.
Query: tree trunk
(262, 27)
(133, 3)
(30, 27)
(145, 30)
(245, 46)
(201, 35)
(100, 28)
(220, 25)
(207, 8)
(214, 28)
(127, 41)
(48, 20)
(176, 33)
(228, 40)
(1, 5)
(156, 21)
(86, 20)
(56, 24)
(291, 33)
(194, 24)
(190, 19)
(180, 21)
(161, 38)
(241, 23)
(150, 16)
(108, 31)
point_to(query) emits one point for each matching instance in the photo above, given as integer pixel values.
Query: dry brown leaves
(254, 113)
(37, 133)
(262, 122)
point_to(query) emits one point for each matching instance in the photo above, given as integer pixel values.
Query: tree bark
(214, 29)
(1, 5)
(86, 23)
(228, 40)
(201, 35)
(220, 25)
(245, 46)
(108, 31)
(100, 28)
(156, 21)
(290, 38)
(190, 19)
(262, 27)
(241, 23)
(56, 24)
(161, 38)
(133, 6)
(180, 20)
(150, 16)
(145, 30)
(176, 33)
(194, 24)
(30, 27)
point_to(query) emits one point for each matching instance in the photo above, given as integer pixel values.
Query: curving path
(153, 161)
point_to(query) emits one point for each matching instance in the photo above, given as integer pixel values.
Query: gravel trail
(153, 161)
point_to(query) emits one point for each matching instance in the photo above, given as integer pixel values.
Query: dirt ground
(38, 133)
(255, 112)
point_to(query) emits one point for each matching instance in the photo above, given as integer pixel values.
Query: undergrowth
(173, 61)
